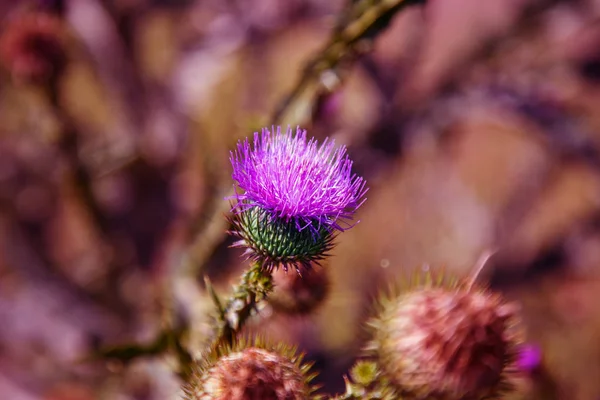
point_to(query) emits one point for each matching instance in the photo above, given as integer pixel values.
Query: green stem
(256, 284)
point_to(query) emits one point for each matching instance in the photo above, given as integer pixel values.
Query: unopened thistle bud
(251, 371)
(445, 341)
(292, 195)
(299, 293)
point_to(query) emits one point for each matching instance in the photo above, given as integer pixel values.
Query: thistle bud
(251, 371)
(447, 342)
(291, 197)
(299, 293)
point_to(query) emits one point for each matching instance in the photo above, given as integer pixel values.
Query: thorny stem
(256, 284)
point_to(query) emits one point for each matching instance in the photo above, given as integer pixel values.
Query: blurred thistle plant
(33, 47)
(251, 369)
(446, 339)
(292, 195)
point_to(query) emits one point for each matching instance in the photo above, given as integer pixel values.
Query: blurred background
(475, 123)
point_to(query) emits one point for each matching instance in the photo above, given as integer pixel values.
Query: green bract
(274, 241)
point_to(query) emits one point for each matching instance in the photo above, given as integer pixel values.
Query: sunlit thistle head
(292, 195)
(295, 178)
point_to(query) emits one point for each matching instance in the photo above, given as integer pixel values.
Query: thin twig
(364, 20)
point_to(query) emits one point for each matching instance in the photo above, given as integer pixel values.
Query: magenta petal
(296, 178)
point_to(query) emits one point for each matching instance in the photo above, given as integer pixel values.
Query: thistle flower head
(292, 195)
(251, 370)
(296, 179)
(447, 341)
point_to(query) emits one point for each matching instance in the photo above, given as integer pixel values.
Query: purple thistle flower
(286, 185)
(296, 179)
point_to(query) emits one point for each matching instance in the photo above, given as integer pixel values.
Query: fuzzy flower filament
(294, 185)
(296, 178)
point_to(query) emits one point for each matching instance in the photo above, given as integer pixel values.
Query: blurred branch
(170, 339)
(82, 180)
(256, 284)
(167, 340)
(210, 228)
(563, 131)
(109, 42)
(127, 352)
(358, 26)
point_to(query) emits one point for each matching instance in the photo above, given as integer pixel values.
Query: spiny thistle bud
(447, 341)
(299, 294)
(251, 371)
(291, 197)
(32, 46)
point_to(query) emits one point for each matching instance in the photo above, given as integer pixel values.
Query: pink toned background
(476, 124)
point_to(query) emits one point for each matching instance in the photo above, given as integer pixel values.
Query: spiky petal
(296, 179)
